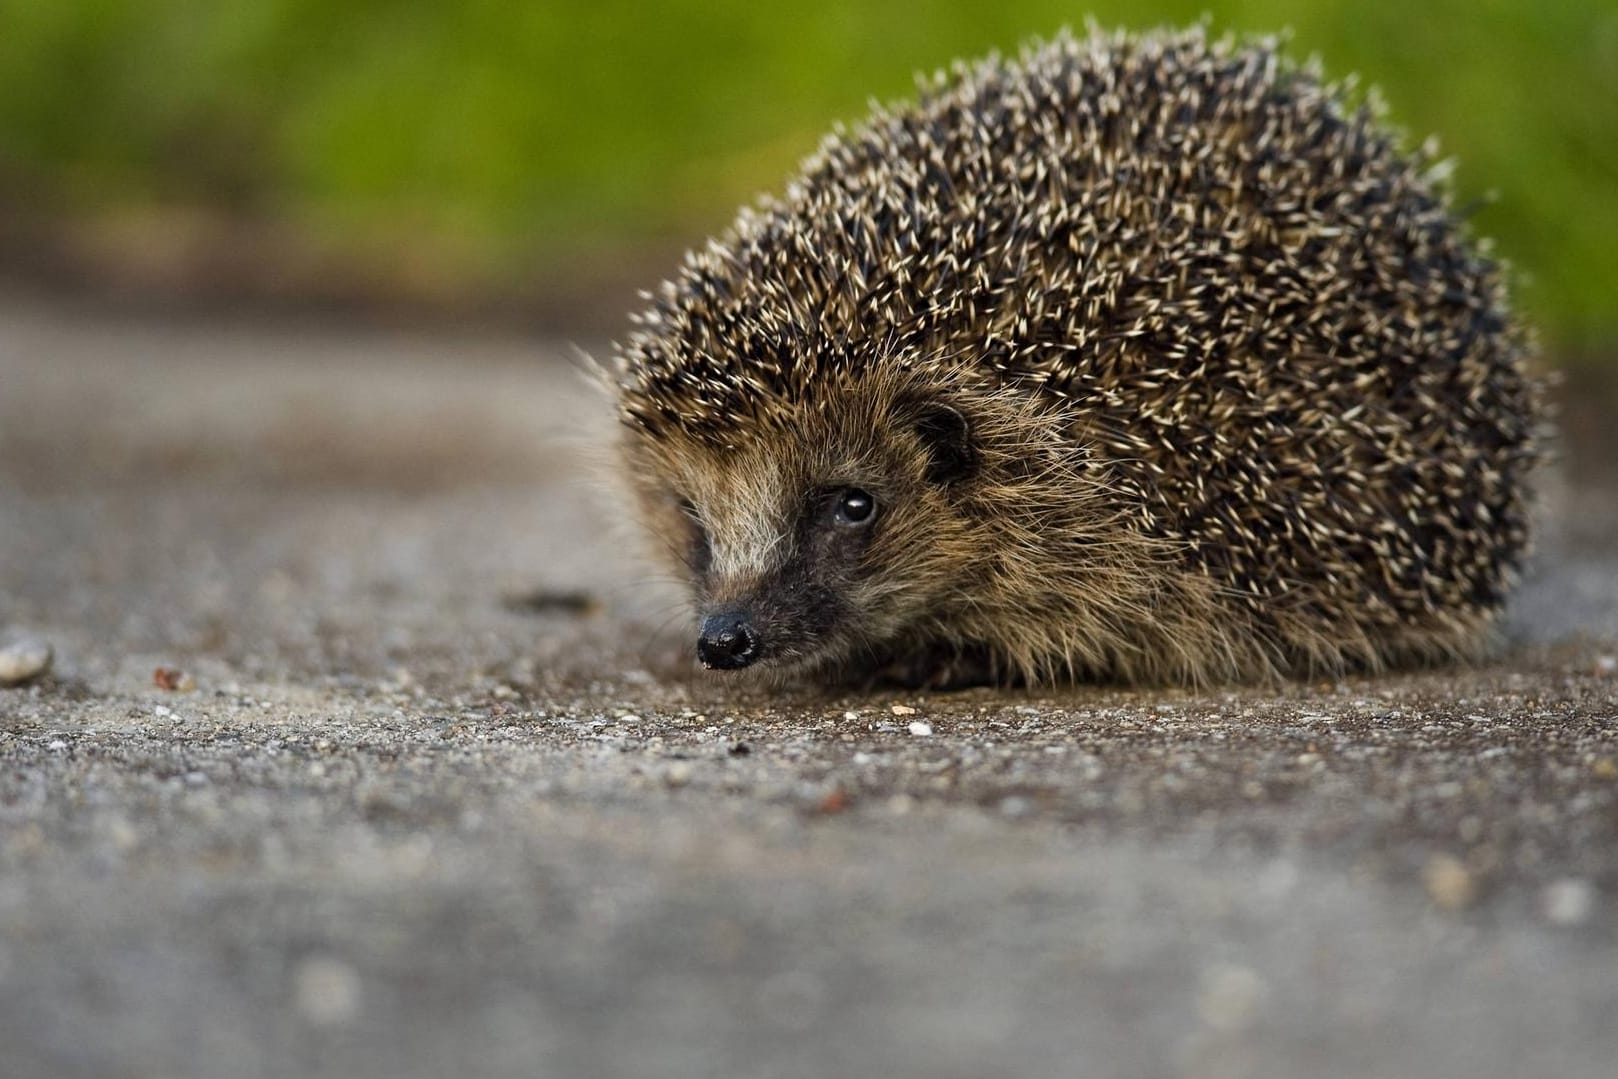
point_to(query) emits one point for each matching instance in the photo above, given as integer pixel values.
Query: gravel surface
(366, 752)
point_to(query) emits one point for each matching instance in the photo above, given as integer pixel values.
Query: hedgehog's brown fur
(1245, 398)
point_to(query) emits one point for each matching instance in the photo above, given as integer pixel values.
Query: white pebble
(327, 991)
(902, 710)
(1230, 997)
(23, 659)
(1015, 806)
(1567, 902)
(921, 729)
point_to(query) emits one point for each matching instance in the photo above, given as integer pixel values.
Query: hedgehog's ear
(948, 440)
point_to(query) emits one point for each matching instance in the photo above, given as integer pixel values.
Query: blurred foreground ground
(425, 814)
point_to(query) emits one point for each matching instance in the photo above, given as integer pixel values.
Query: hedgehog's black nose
(727, 642)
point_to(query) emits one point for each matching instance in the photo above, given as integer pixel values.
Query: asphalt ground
(438, 791)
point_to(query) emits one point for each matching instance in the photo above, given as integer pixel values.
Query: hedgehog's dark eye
(854, 507)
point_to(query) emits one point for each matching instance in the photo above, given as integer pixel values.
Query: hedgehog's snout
(727, 640)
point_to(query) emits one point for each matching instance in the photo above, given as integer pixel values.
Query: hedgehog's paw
(940, 666)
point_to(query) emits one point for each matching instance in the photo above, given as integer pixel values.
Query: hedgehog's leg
(942, 666)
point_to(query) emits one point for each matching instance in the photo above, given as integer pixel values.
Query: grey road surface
(438, 793)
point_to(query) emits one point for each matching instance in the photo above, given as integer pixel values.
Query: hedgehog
(1144, 358)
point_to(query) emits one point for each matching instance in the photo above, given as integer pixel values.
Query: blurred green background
(497, 147)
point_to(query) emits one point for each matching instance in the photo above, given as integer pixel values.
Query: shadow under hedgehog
(1140, 357)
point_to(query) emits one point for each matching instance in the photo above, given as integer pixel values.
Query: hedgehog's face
(824, 538)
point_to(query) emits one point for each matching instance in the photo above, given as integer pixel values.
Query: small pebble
(834, 801)
(678, 775)
(921, 729)
(326, 991)
(1449, 883)
(173, 679)
(1015, 806)
(903, 710)
(123, 835)
(1567, 902)
(1230, 997)
(23, 660)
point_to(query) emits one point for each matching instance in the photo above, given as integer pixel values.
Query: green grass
(518, 133)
